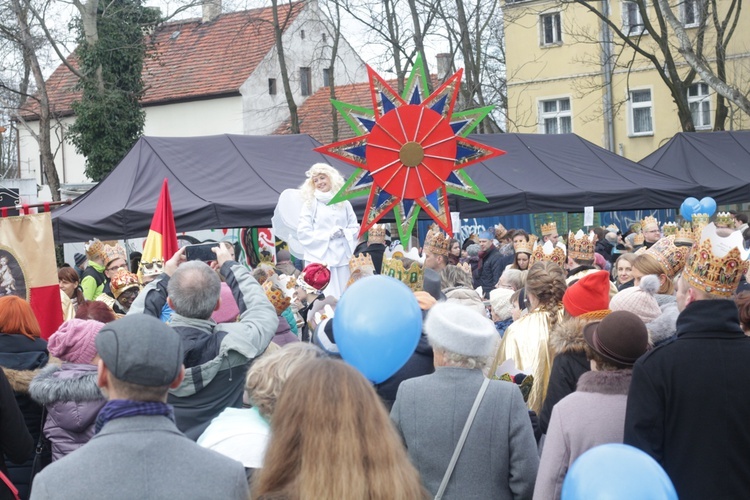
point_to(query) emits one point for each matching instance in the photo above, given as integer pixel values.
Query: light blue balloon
(377, 326)
(690, 207)
(707, 206)
(616, 472)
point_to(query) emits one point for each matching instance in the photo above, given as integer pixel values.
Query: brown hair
(546, 281)
(96, 310)
(331, 437)
(743, 305)
(71, 276)
(647, 264)
(16, 316)
(628, 257)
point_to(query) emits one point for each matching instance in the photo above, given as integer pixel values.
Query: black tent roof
(564, 173)
(718, 163)
(235, 180)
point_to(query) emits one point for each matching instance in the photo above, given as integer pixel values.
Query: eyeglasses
(115, 268)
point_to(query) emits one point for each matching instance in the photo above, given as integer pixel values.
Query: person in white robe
(328, 233)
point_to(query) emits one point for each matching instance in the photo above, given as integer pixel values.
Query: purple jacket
(284, 335)
(73, 401)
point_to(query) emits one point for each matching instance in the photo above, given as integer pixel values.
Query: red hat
(316, 276)
(589, 296)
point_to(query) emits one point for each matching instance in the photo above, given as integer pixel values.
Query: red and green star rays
(410, 151)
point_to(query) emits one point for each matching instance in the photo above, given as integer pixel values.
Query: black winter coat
(16, 442)
(569, 364)
(490, 271)
(420, 363)
(689, 404)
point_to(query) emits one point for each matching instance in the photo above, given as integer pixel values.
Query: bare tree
(694, 57)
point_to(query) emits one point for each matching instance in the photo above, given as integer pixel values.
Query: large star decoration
(410, 151)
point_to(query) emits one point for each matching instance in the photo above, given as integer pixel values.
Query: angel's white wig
(308, 188)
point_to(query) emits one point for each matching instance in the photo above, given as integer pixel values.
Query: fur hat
(639, 299)
(589, 296)
(500, 301)
(459, 329)
(74, 341)
(620, 338)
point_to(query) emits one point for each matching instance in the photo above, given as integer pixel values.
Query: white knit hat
(460, 329)
(639, 299)
(500, 301)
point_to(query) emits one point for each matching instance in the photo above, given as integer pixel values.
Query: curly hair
(268, 374)
(308, 188)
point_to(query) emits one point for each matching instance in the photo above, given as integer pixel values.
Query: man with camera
(216, 356)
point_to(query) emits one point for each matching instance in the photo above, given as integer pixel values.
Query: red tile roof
(191, 60)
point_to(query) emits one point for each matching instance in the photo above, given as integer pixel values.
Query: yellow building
(558, 77)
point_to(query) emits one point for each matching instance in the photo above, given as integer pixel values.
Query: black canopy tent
(718, 163)
(235, 180)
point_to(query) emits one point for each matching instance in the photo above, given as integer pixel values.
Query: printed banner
(28, 268)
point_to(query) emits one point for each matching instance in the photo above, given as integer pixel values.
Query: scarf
(324, 197)
(121, 408)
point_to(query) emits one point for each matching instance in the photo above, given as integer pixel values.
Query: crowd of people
(181, 378)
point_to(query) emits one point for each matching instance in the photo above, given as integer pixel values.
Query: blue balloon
(377, 325)
(707, 206)
(616, 472)
(689, 207)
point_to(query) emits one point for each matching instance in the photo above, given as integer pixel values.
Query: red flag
(161, 242)
(28, 269)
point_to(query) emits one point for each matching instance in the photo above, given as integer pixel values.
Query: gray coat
(141, 457)
(499, 459)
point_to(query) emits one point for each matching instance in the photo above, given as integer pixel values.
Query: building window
(700, 105)
(632, 22)
(690, 11)
(551, 29)
(641, 107)
(555, 116)
(272, 86)
(326, 77)
(302, 34)
(305, 79)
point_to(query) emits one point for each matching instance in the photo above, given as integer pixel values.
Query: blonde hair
(331, 437)
(647, 264)
(308, 188)
(627, 257)
(546, 281)
(268, 374)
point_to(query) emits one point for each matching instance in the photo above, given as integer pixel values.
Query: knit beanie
(589, 296)
(460, 329)
(79, 258)
(228, 310)
(500, 301)
(74, 341)
(639, 299)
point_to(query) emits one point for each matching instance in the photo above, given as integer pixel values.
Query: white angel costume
(328, 234)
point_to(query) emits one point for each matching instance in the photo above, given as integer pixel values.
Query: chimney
(443, 66)
(211, 10)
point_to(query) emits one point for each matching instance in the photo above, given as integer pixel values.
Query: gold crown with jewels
(669, 228)
(581, 246)
(716, 264)
(671, 257)
(550, 252)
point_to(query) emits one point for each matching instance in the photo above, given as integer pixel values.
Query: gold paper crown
(434, 228)
(500, 232)
(581, 247)
(700, 219)
(552, 253)
(713, 274)
(638, 239)
(114, 252)
(438, 244)
(669, 228)
(357, 262)
(95, 250)
(671, 257)
(376, 234)
(276, 296)
(649, 221)
(548, 229)
(123, 280)
(412, 277)
(151, 268)
(685, 236)
(724, 219)
(525, 246)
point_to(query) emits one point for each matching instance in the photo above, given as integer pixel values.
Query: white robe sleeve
(315, 240)
(351, 231)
